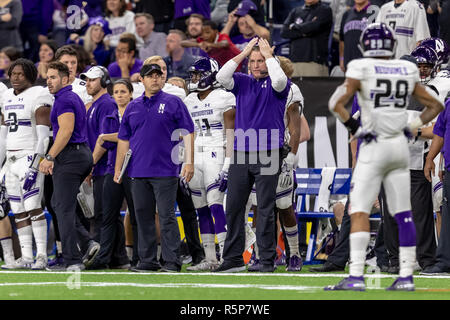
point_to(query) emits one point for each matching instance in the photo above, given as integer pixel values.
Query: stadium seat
(309, 181)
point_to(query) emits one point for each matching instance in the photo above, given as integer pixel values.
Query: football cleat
(402, 284)
(40, 263)
(204, 265)
(19, 264)
(351, 284)
(295, 264)
(91, 253)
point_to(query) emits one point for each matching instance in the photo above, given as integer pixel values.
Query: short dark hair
(195, 15)
(131, 41)
(211, 24)
(67, 49)
(122, 9)
(63, 70)
(29, 69)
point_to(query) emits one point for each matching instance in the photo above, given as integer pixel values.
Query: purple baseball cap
(99, 21)
(244, 7)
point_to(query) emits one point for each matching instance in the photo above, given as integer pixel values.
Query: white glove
(286, 178)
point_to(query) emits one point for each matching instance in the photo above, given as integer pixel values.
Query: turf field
(124, 285)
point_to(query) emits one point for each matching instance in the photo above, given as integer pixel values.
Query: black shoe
(267, 268)
(393, 269)
(124, 266)
(91, 252)
(435, 270)
(230, 267)
(96, 265)
(63, 267)
(327, 267)
(170, 267)
(145, 268)
(384, 268)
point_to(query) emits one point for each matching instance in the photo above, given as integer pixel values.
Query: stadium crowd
(100, 86)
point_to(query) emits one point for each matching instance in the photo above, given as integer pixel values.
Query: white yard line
(243, 274)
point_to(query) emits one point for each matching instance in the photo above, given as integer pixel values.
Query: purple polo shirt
(66, 101)
(100, 108)
(185, 8)
(259, 109)
(114, 69)
(442, 129)
(111, 124)
(148, 124)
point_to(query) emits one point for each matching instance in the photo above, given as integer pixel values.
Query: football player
(383, 87)
(24, 137)
(212, 111)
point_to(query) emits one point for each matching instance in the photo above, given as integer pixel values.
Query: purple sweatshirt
(38, 12)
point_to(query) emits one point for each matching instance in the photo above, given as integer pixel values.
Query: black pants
(72, 166)
(240, 181)
(98, 185)
(190, 224)
(112, 240)
(147, 193)
(422, 211)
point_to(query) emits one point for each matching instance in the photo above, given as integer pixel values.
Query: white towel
(322, 201)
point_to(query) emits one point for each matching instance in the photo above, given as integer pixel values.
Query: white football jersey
(79, 87)
(3, 88)
(409, 21)
(18, 114)
(386, 87)
(442, 84)
(207, 115)
(294, 95)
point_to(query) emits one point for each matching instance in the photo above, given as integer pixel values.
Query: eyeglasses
(122, 51)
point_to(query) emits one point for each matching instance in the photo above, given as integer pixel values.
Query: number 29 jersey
(207, 115)
(19, 116)
(386, 87)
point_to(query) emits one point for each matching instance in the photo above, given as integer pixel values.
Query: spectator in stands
(254, 7)
(309, 28)
(184, 8)
(10, 17)
(161, 10)
(179, 82)
(219, 13)
(150, 42)
(178, 61)
(7, 56)
(85, 60)
(35, 25)
(46, 55)
(248, 29)
(408, 20)
(126, 63)
(93, 41)
(120, 20)
(194, 30)
(444, 20)
(353, 22)
(217, 45)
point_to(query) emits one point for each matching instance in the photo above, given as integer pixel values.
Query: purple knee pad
(406, 229)
(205, 221)
(220, 221)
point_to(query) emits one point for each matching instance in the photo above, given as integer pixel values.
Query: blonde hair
(286, 65)
(88, 44)
(153, 59)
(178, 79)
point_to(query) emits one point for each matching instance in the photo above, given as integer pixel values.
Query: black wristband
(352, 125)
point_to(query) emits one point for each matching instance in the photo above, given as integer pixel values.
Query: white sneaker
(204, 265)
(41, 262)
(250, 237)
(19, 264)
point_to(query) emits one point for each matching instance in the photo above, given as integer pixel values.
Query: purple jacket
(39, 12)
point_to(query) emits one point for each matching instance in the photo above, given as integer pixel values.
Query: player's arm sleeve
(277, 75)
(225, 74)
(229, 102)
(355, 70)
(3, 134)
(421, 25)
(44, 98)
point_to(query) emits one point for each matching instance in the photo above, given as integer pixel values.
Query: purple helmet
(440, 47)
(202, 74)
(427, 61)
(377, 40)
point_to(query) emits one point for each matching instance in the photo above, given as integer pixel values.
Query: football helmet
(440, 47)
(377, 40)
(427, 62)
(202, 74)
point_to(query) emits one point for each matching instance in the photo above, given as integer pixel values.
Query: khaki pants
(309, 69)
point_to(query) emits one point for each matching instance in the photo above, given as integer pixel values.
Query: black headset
(105, 80)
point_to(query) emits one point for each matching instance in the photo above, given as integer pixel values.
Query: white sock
(292, 239)
(407, 257)
(8, 251)
(40, 236)
(59, 247)
(26, 242)
(221, 239)
(358, 247)
(255, 246)
(129, 250)
(209, 245)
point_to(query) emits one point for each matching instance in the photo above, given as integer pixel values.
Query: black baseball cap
(149, 68)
